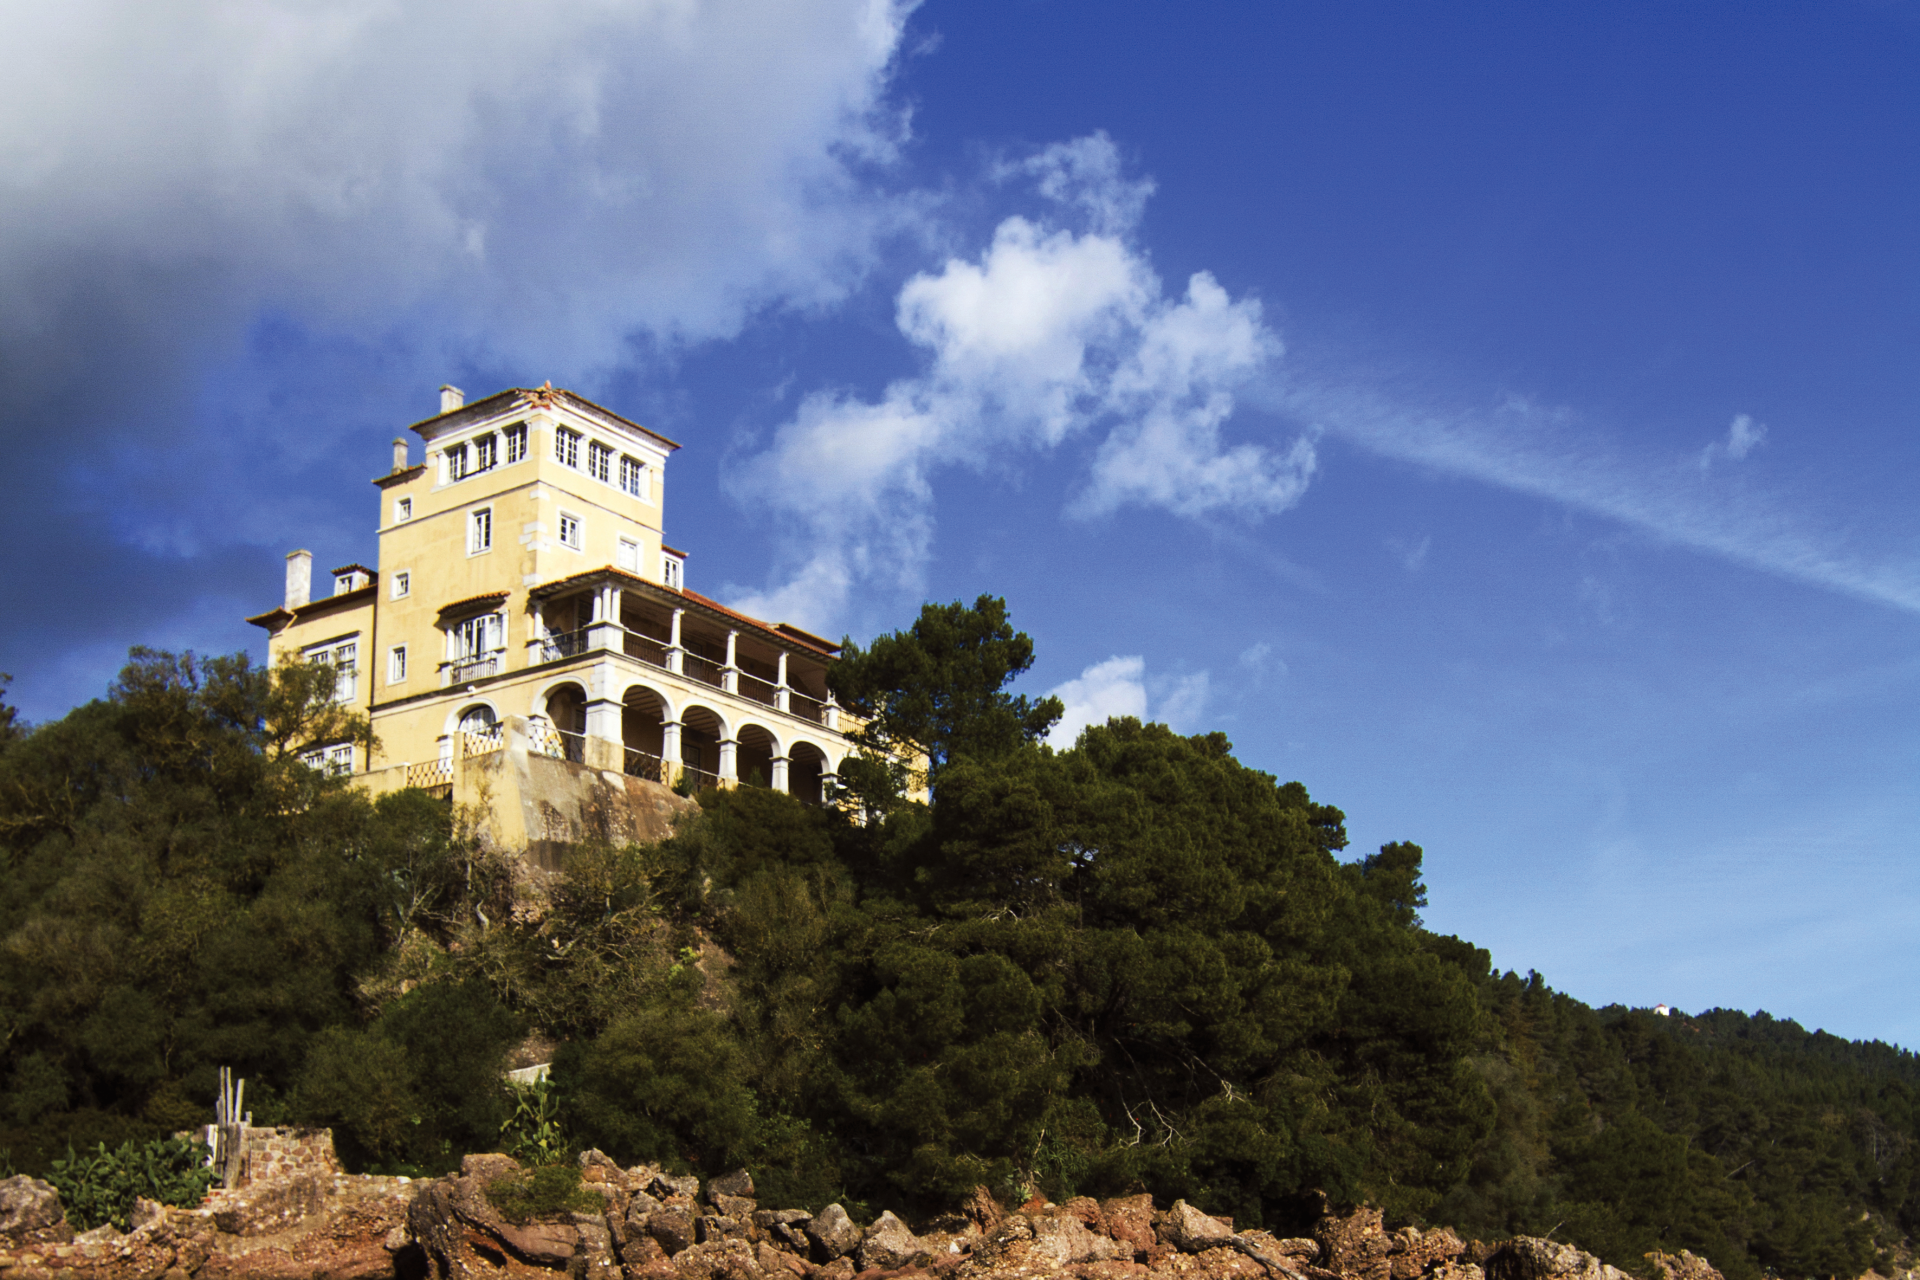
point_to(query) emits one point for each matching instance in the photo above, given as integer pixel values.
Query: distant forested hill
(1136, 963)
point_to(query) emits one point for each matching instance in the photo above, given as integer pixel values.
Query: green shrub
(533, 1132)
(542, 1192)
(102, 1185)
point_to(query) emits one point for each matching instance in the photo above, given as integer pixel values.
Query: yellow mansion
(525, 608)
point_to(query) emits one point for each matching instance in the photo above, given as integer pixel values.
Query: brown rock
(488, 1168)
(719, 1226)
(890, 1244)
(1129, 1219)
(596, 1247)
(1063, 1238)
(779, 1262)
(717, 1260)
(667, 1186)
(1417, 1252)
(1187, 1229)
(741, 1207)
(833, 1234)
(737, 1183)
(1686, 1266)
(641, 1250)
(672, 1226)
(31, 1213)
(1355, 1245)
(1529, 1258)
(981, 1209)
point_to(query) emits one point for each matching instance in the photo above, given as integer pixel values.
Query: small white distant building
(1664, 1011)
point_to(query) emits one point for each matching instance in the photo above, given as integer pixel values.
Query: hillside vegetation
(1133, 964)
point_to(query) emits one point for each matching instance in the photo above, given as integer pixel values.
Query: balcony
(705, 670)
(561, 644)
(646, 649)
(462, 670)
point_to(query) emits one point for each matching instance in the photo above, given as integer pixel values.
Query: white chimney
(399, 453)
(451, 398)
(299, 578)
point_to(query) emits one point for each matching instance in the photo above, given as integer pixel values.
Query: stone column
(670, 751)
(781, 693)
(605, 633)
(729, 756)
(675, 654)
(730, 675)
(780, 782)
(832, 713)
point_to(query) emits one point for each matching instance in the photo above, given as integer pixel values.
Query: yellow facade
(524, 595)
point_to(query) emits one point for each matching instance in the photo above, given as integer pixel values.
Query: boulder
(719, 1226)
(890, 1244)
(672, 1226)
(719, 1260)
(833, 1233)
(1530, 1258)
(666, 1186)
(1063, 1238)
(1129, 1219)
(31, 1213)
(737, 1183)
(1416, 1252)
(779, 1263)
(982, 1209)
(1356, 1245)
(596, 1247)
(1686, 1266)
(1191, 1231)
(787, 1228)
(488, 1168)
(741, 1207)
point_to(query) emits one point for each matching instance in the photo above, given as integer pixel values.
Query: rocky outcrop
(642, 1223)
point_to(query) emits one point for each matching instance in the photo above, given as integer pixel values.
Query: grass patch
(544, 1192)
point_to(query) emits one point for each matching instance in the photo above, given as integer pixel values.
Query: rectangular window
(516, 443)
(633, 476)
(397, 664)
(600, 462)
(474, 638)
(566, 447)
(402, 583)
(670, 570)
(570, 531)
(486, 453)
(340, 760)
(627, 556)
(480, 531)
(402, 510)
(343, 655)
(456, 462)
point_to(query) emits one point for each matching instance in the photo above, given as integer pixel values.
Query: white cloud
(543, 180)
(1412, 554)
(1050, 333)
(1541, 451)
(1742, 435)
(1120, 686)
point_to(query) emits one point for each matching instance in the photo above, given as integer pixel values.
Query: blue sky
(1500, 417)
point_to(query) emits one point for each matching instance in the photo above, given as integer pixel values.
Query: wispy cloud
(1527, 448)
(1059, 328)
(1120, 686)
(1742, 436)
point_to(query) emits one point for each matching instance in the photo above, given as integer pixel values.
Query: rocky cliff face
(643, 1224)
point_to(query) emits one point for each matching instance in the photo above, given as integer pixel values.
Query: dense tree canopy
(1135, 963)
